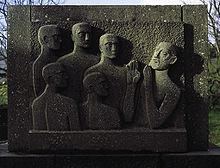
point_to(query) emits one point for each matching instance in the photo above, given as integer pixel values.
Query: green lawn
(214, 126)
(3, 95)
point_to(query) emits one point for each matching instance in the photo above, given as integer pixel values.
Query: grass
(3, 95)
(214, 126)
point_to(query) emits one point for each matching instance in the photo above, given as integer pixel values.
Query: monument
(108, 80)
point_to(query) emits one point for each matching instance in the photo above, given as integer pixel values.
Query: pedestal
(204, 159)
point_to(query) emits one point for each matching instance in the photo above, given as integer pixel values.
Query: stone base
(203, 159)
(3, 123)
(135, 140)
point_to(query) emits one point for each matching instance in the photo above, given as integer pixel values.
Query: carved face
(162, 57)
(59, 78)
(109, 47)
(82, 36)
(101, 86)
(53, 39)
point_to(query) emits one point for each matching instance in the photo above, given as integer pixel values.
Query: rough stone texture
(204, 159)
(19, 71)
(169, 13)
(25, 23)
(196, 56)
(3, 122)
(169, 140)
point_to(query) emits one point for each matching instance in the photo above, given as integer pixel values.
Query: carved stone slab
(102, 92)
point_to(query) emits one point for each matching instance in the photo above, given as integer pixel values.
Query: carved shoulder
(93, 68)
(39, 102)
(65, 58)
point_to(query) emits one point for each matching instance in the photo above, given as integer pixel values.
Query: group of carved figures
(80, 91)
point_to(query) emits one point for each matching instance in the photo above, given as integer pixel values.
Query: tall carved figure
(52, 111)
(162, 95)
(96, 114)
(79, 60)
(50, 40)
(116, 75)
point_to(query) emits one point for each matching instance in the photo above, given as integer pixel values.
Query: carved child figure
(79, 60)
(162, 95)
(51, 110)
(96, 114)
(50, 40)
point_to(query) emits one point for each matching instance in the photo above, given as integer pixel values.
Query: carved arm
(133, 76)
(156, 117)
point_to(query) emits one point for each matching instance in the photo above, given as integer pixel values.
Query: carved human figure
(50, 40)
(78, 60)
(162, 95)
(52, 111)
(96, 114)
(116, 75)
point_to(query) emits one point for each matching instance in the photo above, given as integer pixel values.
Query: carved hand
(147, 76)
(133, 75)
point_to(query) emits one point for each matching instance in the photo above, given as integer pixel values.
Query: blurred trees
(213, 11)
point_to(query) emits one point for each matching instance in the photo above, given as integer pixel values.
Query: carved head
(108, 44)
(164, 55)
(54, 75)
(96, 82)
(49, 35)
(81, 34)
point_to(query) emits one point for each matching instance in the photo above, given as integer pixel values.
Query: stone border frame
(19, 51)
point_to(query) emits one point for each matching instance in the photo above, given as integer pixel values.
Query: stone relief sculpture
(162, 95)
(79, 60)
(116, 75)
(122, 80)
(50, 40)
(52, 111)
(83, 93)
(98, 115)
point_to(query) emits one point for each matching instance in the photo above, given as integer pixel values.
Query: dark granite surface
(23, 49)
(205, 159)
(137, 140)
(3, 123)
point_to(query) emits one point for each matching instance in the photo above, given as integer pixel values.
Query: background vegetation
(213, 12)
(214, 95)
